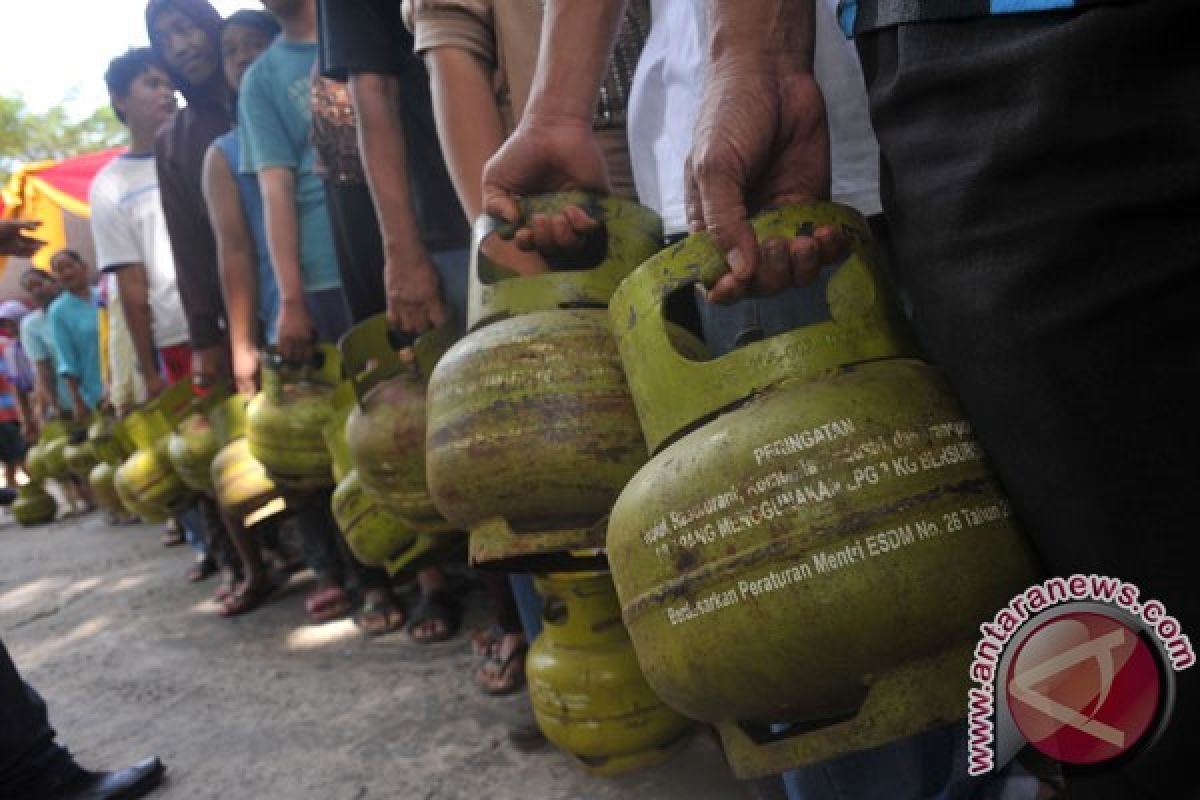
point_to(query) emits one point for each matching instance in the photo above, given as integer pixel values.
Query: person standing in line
(247, 283)
(18, 426)
(481, 56)
(52, 398)
(274, 127)
(76, 334)
(128, 225)
(185, 34)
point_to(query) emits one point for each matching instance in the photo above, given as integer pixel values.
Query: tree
(27, 135)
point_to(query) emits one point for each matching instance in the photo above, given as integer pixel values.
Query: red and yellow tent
(56, 193)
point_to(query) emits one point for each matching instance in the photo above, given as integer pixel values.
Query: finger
(726, 290)
(501, 204)
(805, 260)
(28, 224)
(774, 272)
(564, 236)
(693, 203)
(581, 222)
(832, 243)
(725, 217)
(525, 241)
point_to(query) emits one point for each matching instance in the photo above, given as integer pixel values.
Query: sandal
(246, 600)
(507, 674)
(202, 570)
(327, 604)
(379, 614)
(484, 641)
(436, 606)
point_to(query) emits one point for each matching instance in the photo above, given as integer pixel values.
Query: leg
(27, 747)
(315, 526)
(503, 669)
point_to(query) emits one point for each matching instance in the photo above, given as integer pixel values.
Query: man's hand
(761, 142)
(14, 242)
(414, 301)
(546, 154)
(155, 385)
(208, 366)
(245, 369)
(294, 332)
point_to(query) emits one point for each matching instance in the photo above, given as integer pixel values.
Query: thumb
(722, 198)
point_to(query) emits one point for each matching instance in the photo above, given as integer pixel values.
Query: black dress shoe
(125, 784)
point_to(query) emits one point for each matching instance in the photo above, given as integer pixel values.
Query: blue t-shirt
(275, 121)
(73, 321)
(252, 210)
(38, 341)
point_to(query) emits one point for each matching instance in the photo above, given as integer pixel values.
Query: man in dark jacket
(186, 36)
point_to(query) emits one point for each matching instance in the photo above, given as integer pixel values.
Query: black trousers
(1041, 177)
(27, 747)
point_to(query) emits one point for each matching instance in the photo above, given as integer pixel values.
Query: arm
(413, 300)
(471, 130)
(46, 392)
(294, 329)
(761, 141)
(125, 387)
(135, 302)
(193, 251)
(236, 266)
(553, 147)
(68, 364)
(14, 238)
(81, 406)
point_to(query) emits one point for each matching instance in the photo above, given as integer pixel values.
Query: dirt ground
(133, 660)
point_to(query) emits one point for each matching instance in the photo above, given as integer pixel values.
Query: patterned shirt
(861, 16)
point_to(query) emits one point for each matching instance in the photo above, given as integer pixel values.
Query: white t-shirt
(128, 227)
(665, 101)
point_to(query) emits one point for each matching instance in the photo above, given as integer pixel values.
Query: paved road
(133, 660)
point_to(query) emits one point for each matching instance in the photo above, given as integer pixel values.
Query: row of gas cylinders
(801, 532)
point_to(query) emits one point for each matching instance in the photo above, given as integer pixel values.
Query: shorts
(12, 443)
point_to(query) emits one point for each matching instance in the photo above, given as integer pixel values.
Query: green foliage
(27, 135)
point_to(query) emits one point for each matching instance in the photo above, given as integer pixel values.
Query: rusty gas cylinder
(817, 534)
(532, 432)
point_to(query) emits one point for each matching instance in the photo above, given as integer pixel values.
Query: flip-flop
(485, 640)
(383, 606)
(202, 570)
(436, 605)
(327, 604)
(243, 602)
(510, 668)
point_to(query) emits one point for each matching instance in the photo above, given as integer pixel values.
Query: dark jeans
(1041, 178)
(27, 747)
(326, 552)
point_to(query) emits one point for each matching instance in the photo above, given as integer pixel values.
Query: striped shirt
(861, 16)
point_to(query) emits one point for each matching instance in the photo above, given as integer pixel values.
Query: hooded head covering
(206, 17)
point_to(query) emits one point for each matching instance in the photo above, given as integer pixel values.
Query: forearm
(576, 45)
(81, 406)
(381, 139)
(777, 32)
(47, 386)
(283, 232)
(469, 124)
(135, 303)
(239, 284)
